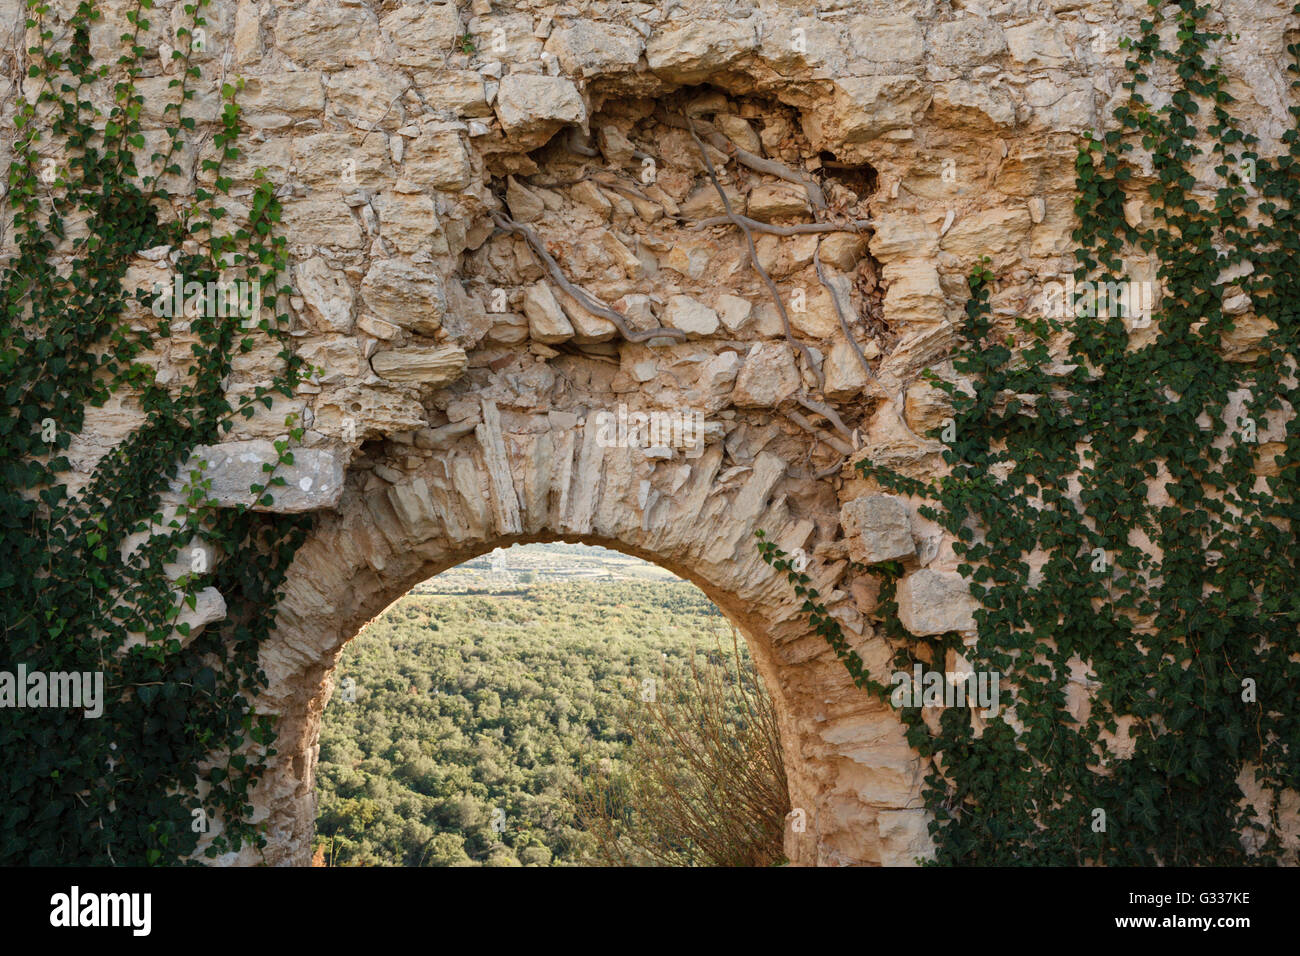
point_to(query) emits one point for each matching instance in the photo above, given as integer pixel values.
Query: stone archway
(848, 764)
(441, 425)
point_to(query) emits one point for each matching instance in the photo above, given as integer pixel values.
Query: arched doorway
(550, 704)
(849, 767)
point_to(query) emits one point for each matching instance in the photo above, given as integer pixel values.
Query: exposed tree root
(844, 324)
(798, 229)
(577, 293)
(753, 257)
(757, 163)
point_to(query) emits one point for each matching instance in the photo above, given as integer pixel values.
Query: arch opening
(550, 703)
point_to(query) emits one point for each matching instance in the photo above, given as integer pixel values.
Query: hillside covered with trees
(463, 717)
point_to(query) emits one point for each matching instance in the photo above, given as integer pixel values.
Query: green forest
(463, 718)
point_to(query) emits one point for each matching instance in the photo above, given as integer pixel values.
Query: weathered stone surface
(594, 49)
(780, 200)
(316, 36)
(314, 480)
(546, 320)
(935, 602)
(687, 53)
(420, 365)
(406, 295)
(767, 378)
(420, 34)
(691, 316)
(733, 311)
(878, 528)
(915, 294)
(531, 108)
(327, 294)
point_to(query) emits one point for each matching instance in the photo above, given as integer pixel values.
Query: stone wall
(460, 390)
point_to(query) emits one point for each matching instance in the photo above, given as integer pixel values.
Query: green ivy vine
(84, 579)
(1066, 466)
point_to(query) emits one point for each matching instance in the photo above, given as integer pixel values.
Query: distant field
(506, 568)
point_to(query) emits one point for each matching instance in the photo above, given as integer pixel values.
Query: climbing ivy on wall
(85, 583)
(1140, 442)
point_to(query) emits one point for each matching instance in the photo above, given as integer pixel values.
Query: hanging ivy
(1151, 480)
(85, 582)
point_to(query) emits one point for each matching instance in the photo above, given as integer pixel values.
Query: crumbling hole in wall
(638, 229)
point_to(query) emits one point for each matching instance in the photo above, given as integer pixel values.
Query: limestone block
(704, 201)
(321, 222)
(365, 98)
(687, 53)
(588, 328)
(904, 234)
(967, 40)
(877, 104)
(845, 376)
(336, 356)
(322, 37)
(532, 107)
(733, 311)
(280, 94)
(993, 232)
(691, 316)
(878, 528)
(737, 129)
(587, 48)
(546, 320)
(340, 159)
(314, 480)
(430, 366)
(768, 377)
(934, 602)
(1039, 43)
(892, 40)
(818, 318)
(410, 222)
(461, 92)
(437, 158)
(327, 294)
(421, 34)
(770, 201)
(360, 412)
(915, 295)
(904, 837)
(843, 250)
(405, 294)
(717, 378)
(209, 607)
(971, 104)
